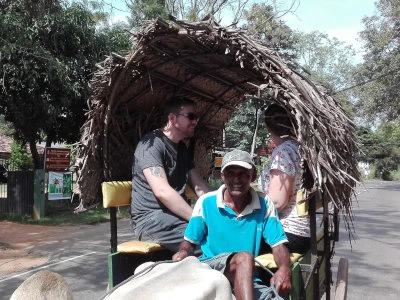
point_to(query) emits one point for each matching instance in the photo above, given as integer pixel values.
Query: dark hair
(278, 120)
(174, 105)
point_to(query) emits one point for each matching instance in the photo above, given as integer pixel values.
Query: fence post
(38, 195)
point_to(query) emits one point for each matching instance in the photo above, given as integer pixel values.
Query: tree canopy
(48, 52)
(381, 148)
(379, 99)
(375, 93)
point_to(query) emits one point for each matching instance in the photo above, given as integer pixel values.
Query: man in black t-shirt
(161, 168)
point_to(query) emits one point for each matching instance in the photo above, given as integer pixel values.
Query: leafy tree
(48, 56)
(20, 158)
(142, 10)
(381, 148)
(262, 24)
(6, 128)
(377, 93)
(328, 62)
(245, 129)
(379, 99)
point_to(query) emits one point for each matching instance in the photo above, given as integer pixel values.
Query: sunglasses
(190, 116)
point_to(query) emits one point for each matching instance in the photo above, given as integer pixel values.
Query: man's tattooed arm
(158, 172)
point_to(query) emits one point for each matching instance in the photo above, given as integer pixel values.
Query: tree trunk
(37, 162)
(253, 144)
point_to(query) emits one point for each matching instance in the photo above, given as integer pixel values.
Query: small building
(5, 151)
(5, 146)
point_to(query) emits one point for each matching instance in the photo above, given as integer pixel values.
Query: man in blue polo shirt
(229, 225)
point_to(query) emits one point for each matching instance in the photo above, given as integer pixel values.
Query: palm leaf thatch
(217, 68)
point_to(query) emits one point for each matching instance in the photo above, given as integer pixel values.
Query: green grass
(65, 216)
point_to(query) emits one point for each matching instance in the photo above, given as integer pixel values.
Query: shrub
(20, 160)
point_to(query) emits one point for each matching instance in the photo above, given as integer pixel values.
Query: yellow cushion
(301, 203)
(267, 259)
(138, 247)
(116, 193)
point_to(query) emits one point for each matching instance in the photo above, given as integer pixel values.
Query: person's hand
(181, 254)
(281, 280)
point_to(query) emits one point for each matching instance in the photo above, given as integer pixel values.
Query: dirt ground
(16, 240)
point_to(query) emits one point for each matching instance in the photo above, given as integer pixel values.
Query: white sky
(337, 18)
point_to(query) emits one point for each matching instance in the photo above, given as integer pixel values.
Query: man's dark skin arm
(281, 278)
(185, 249)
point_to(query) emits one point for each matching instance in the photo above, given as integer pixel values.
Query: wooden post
(342, 279)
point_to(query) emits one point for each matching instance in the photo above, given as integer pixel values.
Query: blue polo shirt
(218, 229)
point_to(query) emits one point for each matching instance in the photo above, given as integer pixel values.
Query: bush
(20, 159)
(384, 168)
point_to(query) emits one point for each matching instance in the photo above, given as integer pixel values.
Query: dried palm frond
(217, 68)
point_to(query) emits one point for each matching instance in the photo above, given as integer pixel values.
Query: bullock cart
(218, 68)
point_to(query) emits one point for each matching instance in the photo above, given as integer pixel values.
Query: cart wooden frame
(311, 273)
(218, 68)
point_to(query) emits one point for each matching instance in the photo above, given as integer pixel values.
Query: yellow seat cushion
(301, 203)
(138, 247)
(267, 259)
(116, 193)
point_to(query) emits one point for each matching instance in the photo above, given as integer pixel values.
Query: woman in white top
(281, 179)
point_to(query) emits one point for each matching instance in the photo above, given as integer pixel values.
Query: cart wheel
(342, 279)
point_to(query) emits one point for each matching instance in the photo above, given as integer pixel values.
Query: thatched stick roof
(216, 67)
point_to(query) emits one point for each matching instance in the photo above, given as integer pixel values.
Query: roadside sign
(57, 159)
(217, 162)
(60, 185)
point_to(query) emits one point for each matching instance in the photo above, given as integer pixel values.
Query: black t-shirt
(156, 150)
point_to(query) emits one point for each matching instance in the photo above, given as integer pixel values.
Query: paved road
(374, 271)
(81, 260)
(374, 257)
